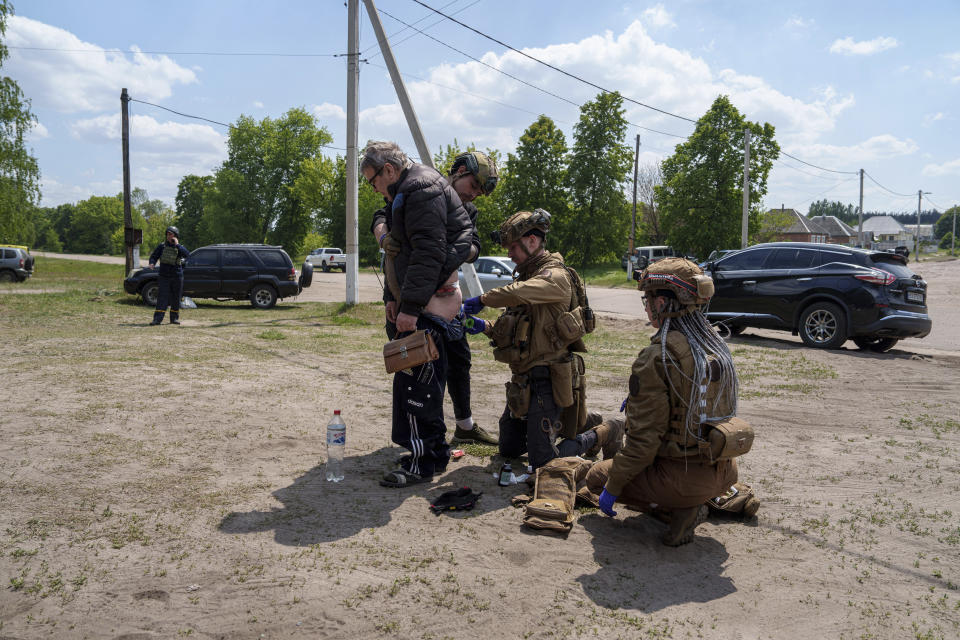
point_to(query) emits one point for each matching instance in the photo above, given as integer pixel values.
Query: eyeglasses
(374, 176)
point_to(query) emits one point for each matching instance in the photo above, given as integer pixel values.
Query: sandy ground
(164, 485)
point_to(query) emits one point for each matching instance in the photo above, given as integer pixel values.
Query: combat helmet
(172, 229)
(482, 166)
(680, 276)
(520, 224)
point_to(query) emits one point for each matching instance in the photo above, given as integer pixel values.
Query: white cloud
(797, 22)
(953, 57)
(849, 47)
(951, 168)
(85, 77)
(258, 105)
(328, 110)
(38, 131)
(851, 157)
(930, 118)
(658, 17)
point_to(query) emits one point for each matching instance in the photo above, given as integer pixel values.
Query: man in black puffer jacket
(430, 235)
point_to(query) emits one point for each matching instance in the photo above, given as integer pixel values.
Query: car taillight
(877, 276)
(293, 274)
(21, 263)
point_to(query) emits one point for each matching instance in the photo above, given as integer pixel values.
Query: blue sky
(849, 85)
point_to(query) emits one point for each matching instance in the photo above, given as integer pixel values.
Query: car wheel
(263, 296)
(823, 325)
(735, 329)
(7, 276)
(878, 345)
(325, 266)
(149, 293)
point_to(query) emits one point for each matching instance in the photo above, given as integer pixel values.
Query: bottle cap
(336, 412)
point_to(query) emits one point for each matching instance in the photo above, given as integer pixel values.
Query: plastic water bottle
(336, 441)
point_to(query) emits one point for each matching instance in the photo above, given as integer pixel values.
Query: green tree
(189, 207)
(46, 237)
(944, 224)
(536, 176)
(93, 223)
(946, 241)
(19, 173)
(594, 228)
(845, 212)
(701, 198)
(252, 198)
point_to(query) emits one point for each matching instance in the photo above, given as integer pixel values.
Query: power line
(806, 173)
(432, 24)
(189, 53)
(547, 64)
(816, 167)
(222, 124)
(828, 190)
(903, 195)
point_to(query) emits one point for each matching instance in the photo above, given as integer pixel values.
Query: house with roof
(792, 226)
(838, 232)
(888, 233)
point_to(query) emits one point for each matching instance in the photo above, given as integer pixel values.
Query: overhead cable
(432, 24)
(188, 53)
(548, 65)
(904, 195)
(222, 124)
(816, 167)
(806, 173)
(828, 190)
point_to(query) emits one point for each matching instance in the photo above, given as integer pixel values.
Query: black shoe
(156, 322)
(173, 322)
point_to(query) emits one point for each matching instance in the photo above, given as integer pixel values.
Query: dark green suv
(257, 272)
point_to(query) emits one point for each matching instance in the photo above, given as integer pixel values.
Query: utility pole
(920, 193)
(633, 229)
(746, 189)
(469, 273)
(953, 234)
(353, 196)
(127, 213)
(860, 214)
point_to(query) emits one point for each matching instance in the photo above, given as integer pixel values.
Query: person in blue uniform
(170, 254)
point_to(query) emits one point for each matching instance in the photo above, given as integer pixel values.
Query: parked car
(16, 263)
(643, 256)
(826, 293)
(327, 258)
(258, 272)
(493, 271)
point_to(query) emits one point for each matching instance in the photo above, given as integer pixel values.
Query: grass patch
(272, 334)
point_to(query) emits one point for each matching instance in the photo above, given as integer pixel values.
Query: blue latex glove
(472, 306)
(606, 503)
(474, 325)
(623, 405)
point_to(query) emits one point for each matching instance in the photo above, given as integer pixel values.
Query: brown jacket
(543, 292)
(655, 413)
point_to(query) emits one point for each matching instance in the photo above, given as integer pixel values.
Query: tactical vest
(677, 442)
(170, 255)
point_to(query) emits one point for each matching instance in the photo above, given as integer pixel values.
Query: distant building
(838, 232)
(792, 226)
(888, 233)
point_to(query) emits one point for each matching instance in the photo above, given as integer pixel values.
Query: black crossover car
(258, 272)
(826, 293)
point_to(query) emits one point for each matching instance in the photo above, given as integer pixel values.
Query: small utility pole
(953, 234)
(920, 193)
(633, 229)
(746, 188)
(353, 196)
(860, 214)
(127, 214)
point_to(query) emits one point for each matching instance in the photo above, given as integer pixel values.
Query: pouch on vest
(561, 380)
(729, 438)
(512, 344)
(570, 326)
(554, 494)
(409, 351)
(574, 416)
(518, 395)
(734, 500)
(170, 255)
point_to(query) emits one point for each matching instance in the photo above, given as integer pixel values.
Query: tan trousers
(673, 484)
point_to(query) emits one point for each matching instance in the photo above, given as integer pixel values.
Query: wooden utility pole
(920, 193)
(353, 196)
(953, 234)
(127, 213)
(470, 278)
(633, 229)
(860, 214)
(744, 226)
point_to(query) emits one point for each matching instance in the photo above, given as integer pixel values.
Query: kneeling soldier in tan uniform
(540, 337)
(681, 433)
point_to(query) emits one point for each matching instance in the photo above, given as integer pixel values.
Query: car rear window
(274, 258)
(892, 265)
(204, 258)
(791, 259)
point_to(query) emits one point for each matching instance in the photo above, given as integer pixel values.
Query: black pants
(536, 434)
(458, 372)
(418, 410)
(169, 294)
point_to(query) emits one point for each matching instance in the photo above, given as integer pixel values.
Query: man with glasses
(431, 236)
(472, 174)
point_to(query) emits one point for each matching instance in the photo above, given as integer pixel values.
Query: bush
(947, 240)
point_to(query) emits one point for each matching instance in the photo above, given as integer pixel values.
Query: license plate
(914, 296)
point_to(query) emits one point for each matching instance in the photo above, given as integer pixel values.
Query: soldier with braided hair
(680, 386)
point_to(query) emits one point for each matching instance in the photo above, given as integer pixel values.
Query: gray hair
(709, 351)
(378, 153)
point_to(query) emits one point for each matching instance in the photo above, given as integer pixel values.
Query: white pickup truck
(327, 259)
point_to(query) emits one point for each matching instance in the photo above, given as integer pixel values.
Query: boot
(682, 524)
(609, 438)
(157, 317)
(174, 317)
